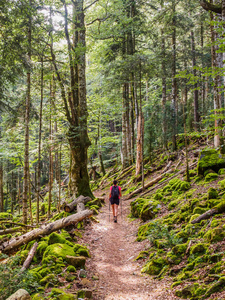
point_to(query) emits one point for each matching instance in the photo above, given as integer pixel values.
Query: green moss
(210, 159)
(50, 279)
(5, 216)
(176, 284)
(213, 202)
(173, 259)
(42, 245)
(58, 250)
(198, 248)
(23, 255)
(217, 257)
(173, 204)
(81, 250)
(211, 177)
(180, 248)
(199, 210)
(136, 206)
(187, 291)
(37, 297)
(55, 238)
(221, 207)
(222, 183)
(61, 295)
(217, 268)
(154, 267)
(194, 217)
(182, 236)
(71, 269)
(149, 210)
(212, 193)
(158, 196)
(142, 255)
(221, 171)
(215, 287)
(94, 202)
(215, 235)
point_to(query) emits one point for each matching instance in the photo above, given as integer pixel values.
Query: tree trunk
(164, 127)
(217, 135)
(15, 243)
(124, 130)
(27, 118)
(196, 113)
(139, 158)
(39, 142)
(174, 80)
(1, 187)
(50, 182)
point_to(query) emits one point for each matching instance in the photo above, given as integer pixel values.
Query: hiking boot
(115, 219)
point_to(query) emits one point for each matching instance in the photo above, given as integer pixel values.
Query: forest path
(113, 249)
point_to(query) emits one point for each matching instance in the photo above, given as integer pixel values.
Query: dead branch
(29, 258)
(69, 207)
(45, 230)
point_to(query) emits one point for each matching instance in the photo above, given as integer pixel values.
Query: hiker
(114, 198)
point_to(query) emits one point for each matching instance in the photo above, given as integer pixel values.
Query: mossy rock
(71, 269)
(215, 287)
(84, 294)
(160, 243)
(180, 248)
(213, 202)
(222, 183)
(221, 171)
(61, 295)
(37, 297)
(217, 268)
(58, 250)
(77, 262)
(55, 238)
(173, 204)
(211, 177)
(144, 230)
(214, 235)
(51, 279)
(36, 273)
(151, 268)
(212, 193)
(81, 250)
(199, 210)
(182, 236)
(198, 248)
(42, 245)
(158, 196)
(187, 291)
(136, 206)
(221, 207)
(149, 210)
(210, 159)
(173, 259)
(177, 184)
(216, 257)
(142, 255)
(70, 277)
(6, 216)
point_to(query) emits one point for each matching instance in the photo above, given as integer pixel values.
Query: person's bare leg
(113, 210)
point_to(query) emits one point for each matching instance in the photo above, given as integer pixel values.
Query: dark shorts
(115, 201)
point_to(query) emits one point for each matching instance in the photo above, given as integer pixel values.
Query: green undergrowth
(192, 254)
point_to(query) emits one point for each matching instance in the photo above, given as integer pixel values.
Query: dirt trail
(113, 250)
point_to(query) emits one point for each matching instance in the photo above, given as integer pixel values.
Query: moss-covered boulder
(215, 235)
(81, 250)
(71, 269)
(199, 248)
(61, 295)
(57, 250)
(42, 245)
(51, 279)
(178, 185)
(187, 291)
(211, 176)
(155, 266)
(221, 171)
(180, 248)
(212, 193)
(199, 210)
(172, 258)
(210, 159)
(136, 206)
(77, 262)
(215, 287)
(149, 210)
(55, 238)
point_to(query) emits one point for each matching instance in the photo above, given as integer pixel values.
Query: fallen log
(10, 230)
(15, 223)
(16, 242)
(205, 216)
(69, 207)
(29, 258)
(152, 182)
(165, 181)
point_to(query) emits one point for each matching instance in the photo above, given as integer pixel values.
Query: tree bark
(71, 206)
(196, 113)
(14, 243)
(39, 142)
(1, 187)
(10, 230)
(164, 127)
(174, 80)
(140, 131)
(205, 216)
(27, 118)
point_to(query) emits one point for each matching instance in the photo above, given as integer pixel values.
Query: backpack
(115, 192)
